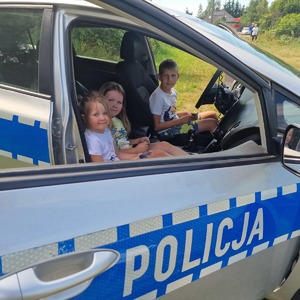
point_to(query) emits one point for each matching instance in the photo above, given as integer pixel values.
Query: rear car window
(20, 34)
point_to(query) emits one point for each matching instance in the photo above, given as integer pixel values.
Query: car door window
(96, 53)
(20, 33)
(97, 42)
(288, 112)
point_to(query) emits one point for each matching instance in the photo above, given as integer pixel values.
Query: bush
(269, 35)
(289, 25)
(288, 40)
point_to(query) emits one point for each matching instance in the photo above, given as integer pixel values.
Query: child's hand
(141, 155)
(142, 147)
(136, 156)
(144, 139)
(188, 118)
(194, 116)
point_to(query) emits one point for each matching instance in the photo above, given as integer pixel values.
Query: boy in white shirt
(167, 121)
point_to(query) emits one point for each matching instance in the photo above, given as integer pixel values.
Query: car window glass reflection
(288, 112)
(20, 29)
(291, 151)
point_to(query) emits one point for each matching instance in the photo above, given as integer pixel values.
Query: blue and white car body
(218, 225)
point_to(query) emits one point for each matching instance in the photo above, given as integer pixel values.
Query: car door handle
(63, 277)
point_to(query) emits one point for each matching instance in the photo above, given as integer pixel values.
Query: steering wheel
(208, 89)
(233, 138)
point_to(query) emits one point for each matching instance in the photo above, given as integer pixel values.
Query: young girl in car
(101, 147)
(115, 97)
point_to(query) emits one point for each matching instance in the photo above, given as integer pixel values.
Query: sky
(192, 5)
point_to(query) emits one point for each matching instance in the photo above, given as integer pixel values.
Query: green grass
(195, 73)
(289, 53)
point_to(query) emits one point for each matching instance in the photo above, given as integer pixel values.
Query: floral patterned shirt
(120, 135)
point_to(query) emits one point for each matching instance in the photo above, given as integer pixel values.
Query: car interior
(134, 68)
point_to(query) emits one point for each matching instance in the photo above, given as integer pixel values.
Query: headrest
(133, 47)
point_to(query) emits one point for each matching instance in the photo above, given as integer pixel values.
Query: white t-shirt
(163, 104)
(255, 30)
(101, 144)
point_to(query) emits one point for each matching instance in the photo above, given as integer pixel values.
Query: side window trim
(45, 53)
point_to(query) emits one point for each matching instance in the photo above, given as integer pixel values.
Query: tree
(200, 12)
(234, 8)
(278, 10)
(281, 8)
(262, 8)
(211, 6)
(289, 25)
(255, 11)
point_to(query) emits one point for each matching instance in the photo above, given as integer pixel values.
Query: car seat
(137, 83)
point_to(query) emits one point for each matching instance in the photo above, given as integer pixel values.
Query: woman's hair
(92, 97)
(113, 86)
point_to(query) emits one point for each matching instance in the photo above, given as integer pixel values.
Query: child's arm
(158, 125)
(140, 148)
(124, 155)
(183, 113)
(96, 158)
(139, 140)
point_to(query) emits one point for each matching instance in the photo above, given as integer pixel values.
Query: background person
(254, 33)
(251, 28)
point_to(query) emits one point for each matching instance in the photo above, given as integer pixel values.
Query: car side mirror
(290, 149)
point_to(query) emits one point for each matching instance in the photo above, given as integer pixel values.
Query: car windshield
(211, 31)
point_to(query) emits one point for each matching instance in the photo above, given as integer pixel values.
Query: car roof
(54, 2)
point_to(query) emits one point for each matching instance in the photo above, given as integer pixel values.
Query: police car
(220, 224)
